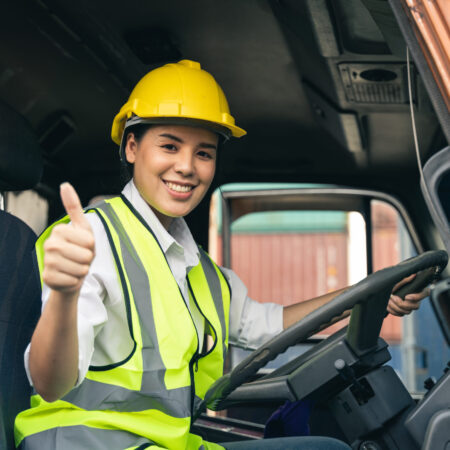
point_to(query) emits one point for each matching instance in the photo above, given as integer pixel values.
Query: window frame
(337, 198)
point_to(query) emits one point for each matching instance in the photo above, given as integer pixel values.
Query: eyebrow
(176, 138)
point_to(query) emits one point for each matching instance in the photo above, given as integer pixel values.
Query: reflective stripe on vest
(149, 394)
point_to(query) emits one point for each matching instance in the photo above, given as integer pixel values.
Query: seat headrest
(20, 154)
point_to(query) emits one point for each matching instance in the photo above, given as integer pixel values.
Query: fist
(400, 307)
(70, 249)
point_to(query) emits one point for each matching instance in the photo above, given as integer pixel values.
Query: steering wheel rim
(378, 284)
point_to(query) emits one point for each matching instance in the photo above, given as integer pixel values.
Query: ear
(131, 148)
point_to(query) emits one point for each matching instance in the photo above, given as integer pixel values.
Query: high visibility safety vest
(145, 400)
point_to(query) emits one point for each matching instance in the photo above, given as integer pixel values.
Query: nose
(184, 163)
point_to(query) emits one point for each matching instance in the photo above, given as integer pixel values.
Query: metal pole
(408, 344)
(369, 244)
(226, 232)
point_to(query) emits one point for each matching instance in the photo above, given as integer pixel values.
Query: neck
(166, 221)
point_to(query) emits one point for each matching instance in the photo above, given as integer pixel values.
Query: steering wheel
(367, 299)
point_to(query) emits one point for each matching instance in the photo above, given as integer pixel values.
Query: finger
(82, 237)
(403, 282)
(399, 306)
(64, 235)
(393, 306)
(396, 311)
(393, 312)
(413, 298)
(61, 281)
(411, 306)
(77, 254)
(72, 205)
(56, 263)
(418, 296)
(403, 306)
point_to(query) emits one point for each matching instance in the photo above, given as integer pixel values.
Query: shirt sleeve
(251, 323)
(92, 314)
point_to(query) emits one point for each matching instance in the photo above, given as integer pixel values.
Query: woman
(120, 357)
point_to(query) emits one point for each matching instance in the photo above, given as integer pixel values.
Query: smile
(178, 187)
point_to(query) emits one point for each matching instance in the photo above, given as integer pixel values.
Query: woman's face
(174, 166)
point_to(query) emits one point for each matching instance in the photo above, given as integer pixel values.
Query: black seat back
(19, 310)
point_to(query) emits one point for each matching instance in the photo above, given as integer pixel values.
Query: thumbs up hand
(70, 248)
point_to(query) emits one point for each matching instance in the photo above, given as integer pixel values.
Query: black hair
(138, 131)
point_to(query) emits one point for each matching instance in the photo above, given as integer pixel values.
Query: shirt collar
(178, 237)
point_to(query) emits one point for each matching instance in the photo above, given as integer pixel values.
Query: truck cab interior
(345, 102)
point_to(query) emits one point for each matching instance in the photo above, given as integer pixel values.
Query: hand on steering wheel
(367, 299)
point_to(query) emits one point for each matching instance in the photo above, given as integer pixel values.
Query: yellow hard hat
(178, 93)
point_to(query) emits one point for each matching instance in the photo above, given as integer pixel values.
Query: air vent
(375, 83)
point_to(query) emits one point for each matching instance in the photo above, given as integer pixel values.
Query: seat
(20, 168)
(19, 310)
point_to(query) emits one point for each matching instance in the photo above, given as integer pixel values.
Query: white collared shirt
(101, 306)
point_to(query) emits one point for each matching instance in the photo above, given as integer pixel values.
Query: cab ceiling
(68, 67)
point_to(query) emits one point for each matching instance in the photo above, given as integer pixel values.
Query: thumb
(72, 205)
(403, 282)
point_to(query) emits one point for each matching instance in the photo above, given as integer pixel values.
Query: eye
(170, 147)
(205, 154)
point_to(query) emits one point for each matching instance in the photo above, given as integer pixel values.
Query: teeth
(178, 187)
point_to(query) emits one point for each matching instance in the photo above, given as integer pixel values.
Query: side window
(290, 254)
